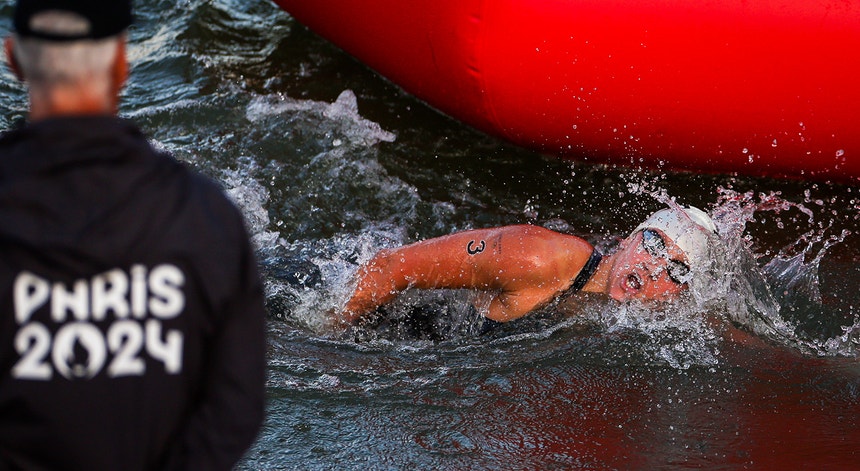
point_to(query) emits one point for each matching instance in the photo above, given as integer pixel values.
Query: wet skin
(637, 274)
(522, 267)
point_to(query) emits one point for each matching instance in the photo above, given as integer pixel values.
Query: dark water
(330, 162)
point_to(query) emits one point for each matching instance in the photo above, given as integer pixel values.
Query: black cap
(98, 18)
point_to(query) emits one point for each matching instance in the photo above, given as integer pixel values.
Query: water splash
(681, 338)
(759, 293)
(251, 197)
(340, 119)
(764, 293)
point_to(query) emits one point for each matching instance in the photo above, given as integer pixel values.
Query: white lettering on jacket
(136, 301)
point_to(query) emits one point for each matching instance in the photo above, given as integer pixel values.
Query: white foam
(343, 115)
(251, 197)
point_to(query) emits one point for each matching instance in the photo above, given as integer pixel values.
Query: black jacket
(131, 310)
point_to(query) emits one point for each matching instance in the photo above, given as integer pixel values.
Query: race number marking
(475, 250)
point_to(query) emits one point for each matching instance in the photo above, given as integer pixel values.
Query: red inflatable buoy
(768, 87)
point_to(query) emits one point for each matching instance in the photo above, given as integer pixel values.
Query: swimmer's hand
(373, 288)
(378, 281)
(335, 322)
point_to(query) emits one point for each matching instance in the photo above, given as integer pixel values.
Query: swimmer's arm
(525, 265)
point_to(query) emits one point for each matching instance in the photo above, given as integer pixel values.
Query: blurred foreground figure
(131, 310)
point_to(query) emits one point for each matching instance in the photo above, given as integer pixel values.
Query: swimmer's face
(649, 266)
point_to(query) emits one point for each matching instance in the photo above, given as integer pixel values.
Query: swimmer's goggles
(652, 241)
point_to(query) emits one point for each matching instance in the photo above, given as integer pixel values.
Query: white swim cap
(690, 228)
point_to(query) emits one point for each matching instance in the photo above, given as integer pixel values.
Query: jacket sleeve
(231, 407)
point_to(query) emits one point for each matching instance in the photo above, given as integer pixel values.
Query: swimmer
(527, 267)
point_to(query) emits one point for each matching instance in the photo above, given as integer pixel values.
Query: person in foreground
(526, 267)
(132, 324)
